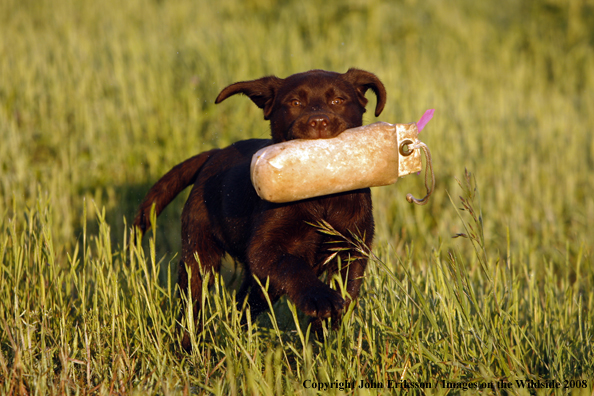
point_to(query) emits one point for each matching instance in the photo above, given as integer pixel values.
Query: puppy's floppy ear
(362, 81)
(261, 91)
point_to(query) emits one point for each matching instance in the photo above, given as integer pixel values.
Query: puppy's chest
(344, 212)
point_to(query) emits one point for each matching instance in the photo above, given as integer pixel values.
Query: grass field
(99, 99)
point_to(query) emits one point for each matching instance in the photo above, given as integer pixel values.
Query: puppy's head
(311, 105)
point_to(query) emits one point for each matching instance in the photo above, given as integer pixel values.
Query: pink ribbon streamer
(425, 119)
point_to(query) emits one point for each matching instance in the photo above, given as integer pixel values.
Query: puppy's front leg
(285, 256)
(311, 295)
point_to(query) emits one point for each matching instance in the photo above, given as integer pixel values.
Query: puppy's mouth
(317, 126)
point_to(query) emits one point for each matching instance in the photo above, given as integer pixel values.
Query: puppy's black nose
(319, 124)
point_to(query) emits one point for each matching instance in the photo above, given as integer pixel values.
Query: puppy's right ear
(261, 91)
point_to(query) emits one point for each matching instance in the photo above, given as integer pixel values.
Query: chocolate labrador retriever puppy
(274, 242)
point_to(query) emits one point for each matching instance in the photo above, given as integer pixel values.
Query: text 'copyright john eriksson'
(444, 384)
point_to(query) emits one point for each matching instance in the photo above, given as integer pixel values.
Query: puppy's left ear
(261, 91)
(362, 81)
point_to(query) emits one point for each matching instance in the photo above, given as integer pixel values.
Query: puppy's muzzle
(318, 126)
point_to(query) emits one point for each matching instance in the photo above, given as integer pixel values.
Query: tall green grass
(98, 100)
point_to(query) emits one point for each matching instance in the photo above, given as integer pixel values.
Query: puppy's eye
(295, 103)
(337, 101)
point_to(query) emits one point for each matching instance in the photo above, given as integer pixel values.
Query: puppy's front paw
(320, 301)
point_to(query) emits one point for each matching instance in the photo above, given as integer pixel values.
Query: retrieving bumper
(368, 156)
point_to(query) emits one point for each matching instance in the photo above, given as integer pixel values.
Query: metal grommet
(404, 150)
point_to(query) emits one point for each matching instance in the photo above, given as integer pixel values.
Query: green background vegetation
(99, 99)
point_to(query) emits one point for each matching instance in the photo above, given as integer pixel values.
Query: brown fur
(223, 214)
